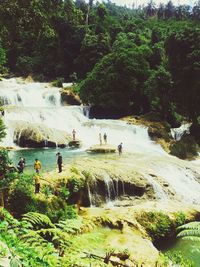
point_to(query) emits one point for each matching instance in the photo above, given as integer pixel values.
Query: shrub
(21, 196)
(157, 224)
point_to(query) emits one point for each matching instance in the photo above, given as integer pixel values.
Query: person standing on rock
(74, 134)
(120, 149)
(105, 138)
(100, 139)
(37, 166)
(59, 162)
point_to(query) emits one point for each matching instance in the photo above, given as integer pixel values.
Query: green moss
(159, 225)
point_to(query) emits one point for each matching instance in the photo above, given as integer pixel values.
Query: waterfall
(158, 190)
(86, 111)
(182, 178)
(110, 188)
(89, 195)
(177, 133)
(38, 106)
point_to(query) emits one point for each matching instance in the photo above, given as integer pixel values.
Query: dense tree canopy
(131, 60)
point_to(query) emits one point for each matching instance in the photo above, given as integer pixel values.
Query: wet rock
(37, 135)
(74, 144)
(102, 149)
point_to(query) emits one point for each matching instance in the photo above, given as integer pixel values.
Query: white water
(177, 133)
(41, 104)
(38, 103)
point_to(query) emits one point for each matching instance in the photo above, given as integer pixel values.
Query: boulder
(37, 135)
(102, 149)
(74, 144)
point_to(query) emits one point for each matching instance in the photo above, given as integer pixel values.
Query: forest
(124, 60)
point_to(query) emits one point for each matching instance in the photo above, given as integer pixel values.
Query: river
(39, 107)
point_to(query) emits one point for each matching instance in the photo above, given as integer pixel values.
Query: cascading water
(39, 105)
(177, 133)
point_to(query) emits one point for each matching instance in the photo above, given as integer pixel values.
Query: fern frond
(52, 233)
(33, 238)
(192, 238)
(189, 232)
(37, 220)
(71, 226)
(191, 225)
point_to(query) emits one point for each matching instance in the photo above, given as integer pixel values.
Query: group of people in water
(37, 164)
(37, 167)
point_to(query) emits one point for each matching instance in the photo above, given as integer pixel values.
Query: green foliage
(2, 59)
(58, 82)
(177, 258)
(103, 86)
(157, 224)
(37, 220)
(180, 219)
(190, 231)
(35, 240)
(127, 60)
(4, 164)
(21, 195)
(75, 184)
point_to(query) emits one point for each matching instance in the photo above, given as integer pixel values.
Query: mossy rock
(185, 148)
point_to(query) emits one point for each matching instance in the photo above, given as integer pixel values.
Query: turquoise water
(46, 156)
(189, 249)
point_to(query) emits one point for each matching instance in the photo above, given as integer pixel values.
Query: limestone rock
(37, 135)
(102, 149)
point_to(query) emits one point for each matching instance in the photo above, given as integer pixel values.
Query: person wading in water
(37, 165)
